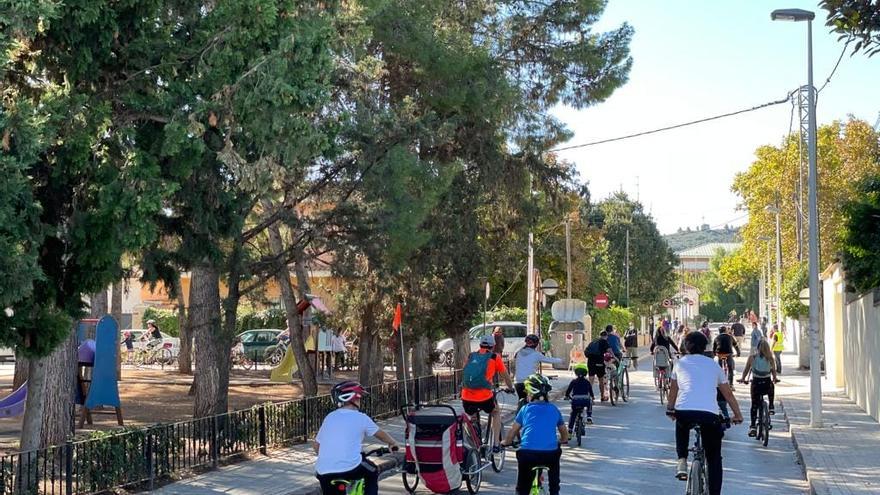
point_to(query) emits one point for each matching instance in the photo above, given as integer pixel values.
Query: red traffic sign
(667, 303)
(690, 302)
(601, 300)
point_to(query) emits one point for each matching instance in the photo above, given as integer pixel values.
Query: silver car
(514, 340)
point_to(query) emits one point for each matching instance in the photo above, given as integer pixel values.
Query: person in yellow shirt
(777, 337)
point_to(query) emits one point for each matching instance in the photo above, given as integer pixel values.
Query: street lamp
(799, 15)
(774, 210)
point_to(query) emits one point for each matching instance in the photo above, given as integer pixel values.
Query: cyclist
(580, 392)
(617, 347)
(478, 375)
(341, 435)
(535, 423)
(596, 360)
(153, 336)
(723, 348)
(763, 368)
(527, 361)
(692, 402)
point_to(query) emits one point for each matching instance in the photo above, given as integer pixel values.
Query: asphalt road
(630, 450)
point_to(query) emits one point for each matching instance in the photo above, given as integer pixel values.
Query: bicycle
(725, 366)
(489, 442)
(622, 386)
(538, 487)
(159, 353)
(356, 487)
(239, 358)
(580, 430)
(698, 473)
(662, 381)
(764, 424)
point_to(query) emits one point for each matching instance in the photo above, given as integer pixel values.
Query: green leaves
(861, 236)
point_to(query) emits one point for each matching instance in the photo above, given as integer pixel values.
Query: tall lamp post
(799, 15)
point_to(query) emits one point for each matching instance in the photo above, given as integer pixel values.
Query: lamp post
(799, 15)
(774, 209)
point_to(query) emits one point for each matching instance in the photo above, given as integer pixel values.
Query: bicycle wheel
(579, 428)
(475, 478)
(497, 459)
(164, 357)
(662, 391)
(625, 387)
(765, 423)
(275, 358)
(410, 482)
(695, 478)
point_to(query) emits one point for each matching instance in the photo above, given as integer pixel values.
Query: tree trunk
(49, 411)
(116, 312)
(462, 348)
(184, 359)
(21, 371)
(421, 357)
(288, 300)
(99, 305)
(204, 317)
(223, 341)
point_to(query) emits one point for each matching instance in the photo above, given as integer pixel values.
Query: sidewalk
(843, 457)
(290, 471)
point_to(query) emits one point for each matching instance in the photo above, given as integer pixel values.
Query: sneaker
(753, 432)
(569, 432)
(772, 411)
(681, 472)
(589, 421)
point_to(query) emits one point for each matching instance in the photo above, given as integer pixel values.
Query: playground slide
(13, 404)
(283, 373)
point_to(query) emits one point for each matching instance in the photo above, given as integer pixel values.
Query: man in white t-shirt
(339, 440)
(692, 401)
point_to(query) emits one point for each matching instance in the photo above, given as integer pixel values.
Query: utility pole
(530, 291)
(627, 268)
(778, 264)
(568, 256)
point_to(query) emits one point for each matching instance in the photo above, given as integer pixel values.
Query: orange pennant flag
(398, 317)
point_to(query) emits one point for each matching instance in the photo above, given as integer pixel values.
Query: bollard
(261, 417)
(68, 467)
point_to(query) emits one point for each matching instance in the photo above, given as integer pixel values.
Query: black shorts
(471, 408)
(596, 366)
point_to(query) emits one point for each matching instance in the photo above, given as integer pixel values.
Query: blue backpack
(474, 373)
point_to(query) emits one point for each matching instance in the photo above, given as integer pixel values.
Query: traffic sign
(601, 300)
(667, 303)
(690, 302)
(569, 338)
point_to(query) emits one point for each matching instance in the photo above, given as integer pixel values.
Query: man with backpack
(476, 388)
(596, 360)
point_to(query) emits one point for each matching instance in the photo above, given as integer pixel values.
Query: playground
(144, 395)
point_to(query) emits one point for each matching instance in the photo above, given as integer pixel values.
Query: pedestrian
(757, 337)
(128, 340)
(498, 333)
(338, 347)
(631, 343)
(778, 340)
(764, 325)
(739, 333)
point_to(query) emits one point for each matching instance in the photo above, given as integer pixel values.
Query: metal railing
(144, 456)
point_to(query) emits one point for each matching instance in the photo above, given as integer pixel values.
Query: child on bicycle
(537, 424)
(580, 392)
(763, 368)
(339, 439)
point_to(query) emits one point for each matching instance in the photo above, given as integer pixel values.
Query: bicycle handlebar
(380, 451)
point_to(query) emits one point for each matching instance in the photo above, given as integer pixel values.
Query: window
(248, 337)
(516, 332)
(265, 337)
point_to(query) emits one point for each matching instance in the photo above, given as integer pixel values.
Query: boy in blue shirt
(537, 423)
(580, 392)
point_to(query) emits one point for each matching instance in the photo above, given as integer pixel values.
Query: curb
(797, 450)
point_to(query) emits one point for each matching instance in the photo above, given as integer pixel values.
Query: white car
(137, 333)
(514, 340)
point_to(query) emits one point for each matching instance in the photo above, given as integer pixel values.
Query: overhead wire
(837, 64)
(677, 126)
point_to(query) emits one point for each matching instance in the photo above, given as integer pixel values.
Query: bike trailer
(437, 442)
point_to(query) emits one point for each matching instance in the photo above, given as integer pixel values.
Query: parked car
(514, 340)
(138, 333)
(7, 354)
(256, 341)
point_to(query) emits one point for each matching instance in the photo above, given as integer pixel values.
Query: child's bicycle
(579, 430)
(356, 487)
(538, 487)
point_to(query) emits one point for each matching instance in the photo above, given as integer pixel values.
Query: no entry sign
(601, 300)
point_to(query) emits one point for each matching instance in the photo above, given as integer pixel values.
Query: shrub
(619, 317)
(166, 319)
(267, 318)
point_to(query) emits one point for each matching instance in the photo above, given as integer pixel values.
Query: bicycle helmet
(487, 342)
(532, 340)
(347, 391)
(537, 385)
(580, 369)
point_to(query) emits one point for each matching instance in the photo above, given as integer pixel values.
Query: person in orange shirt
(478, 374)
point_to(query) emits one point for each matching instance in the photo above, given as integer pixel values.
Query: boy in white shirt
(341, 435)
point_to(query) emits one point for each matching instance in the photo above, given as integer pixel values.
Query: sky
(694, 59)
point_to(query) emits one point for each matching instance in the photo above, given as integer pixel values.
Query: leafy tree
(855, 19)
(62, 71)
(796, 280)
(717, 299)
(847, 152)
(861, 236)
(651, 260)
